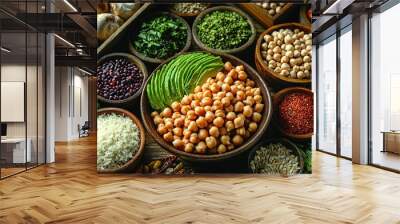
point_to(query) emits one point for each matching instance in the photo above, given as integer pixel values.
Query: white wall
(12, 73)
(16, 73)
(70, 83)
(33, 127)
(81, 102)
(61, 103)
(12, 101)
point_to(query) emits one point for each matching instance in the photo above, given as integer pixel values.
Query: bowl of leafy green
(223, 29)
(160, 36)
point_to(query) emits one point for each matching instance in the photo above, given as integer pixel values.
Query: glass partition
(327, 95)
(385, 89)
(346, 95)
(31, 99)
(15, 151)
(22, 77)
(41, 97)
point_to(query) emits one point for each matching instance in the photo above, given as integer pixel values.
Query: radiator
(391, 142)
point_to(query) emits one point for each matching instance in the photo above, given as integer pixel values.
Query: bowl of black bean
(120, 78)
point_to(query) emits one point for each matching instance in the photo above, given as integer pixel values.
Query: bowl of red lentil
(294, 113)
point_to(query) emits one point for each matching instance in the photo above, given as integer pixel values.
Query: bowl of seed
(188, 9)
(223, 29)
(294, 113)
(120, 78)
(276, 157)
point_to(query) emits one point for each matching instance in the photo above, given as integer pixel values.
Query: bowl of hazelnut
(283, 54)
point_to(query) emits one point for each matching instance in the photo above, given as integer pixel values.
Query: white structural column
(360, 90)
(50, 92)
(50, 98)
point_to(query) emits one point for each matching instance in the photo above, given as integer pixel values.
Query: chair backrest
(86, 125)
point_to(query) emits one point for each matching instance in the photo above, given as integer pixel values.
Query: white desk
(18, 149)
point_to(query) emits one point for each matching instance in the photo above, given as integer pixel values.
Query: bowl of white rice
(120, 140)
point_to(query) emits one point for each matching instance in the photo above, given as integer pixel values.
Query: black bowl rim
(198, 157)
(138, 63)
(219, 51)
(188, 43)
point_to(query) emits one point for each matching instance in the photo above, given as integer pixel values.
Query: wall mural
(190, 88)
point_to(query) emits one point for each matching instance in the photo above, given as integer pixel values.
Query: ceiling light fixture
(80, 51)
(70, 5)
(337, 7)
(64, 40)
(84, 71)
(5, 50)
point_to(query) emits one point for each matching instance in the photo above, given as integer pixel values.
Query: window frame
(381, 9)
(338, 33)
(31, 30)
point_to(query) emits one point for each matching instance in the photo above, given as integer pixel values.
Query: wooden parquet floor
(70, 191)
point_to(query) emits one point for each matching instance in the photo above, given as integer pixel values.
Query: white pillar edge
(360, 90)
(50, 99)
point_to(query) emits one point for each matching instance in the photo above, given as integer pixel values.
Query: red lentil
(296, 113)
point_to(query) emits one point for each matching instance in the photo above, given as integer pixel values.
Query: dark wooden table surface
(238, 164)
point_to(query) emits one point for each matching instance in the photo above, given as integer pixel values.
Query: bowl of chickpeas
(283, 54)
(222, 118)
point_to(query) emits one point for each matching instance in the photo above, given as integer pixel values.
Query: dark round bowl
(287, 143)
(135, 31)
(242, 48)
(185, 15)
(267, 115)
(135, 160)
(277, 99)
(135, 61)
(263, 68)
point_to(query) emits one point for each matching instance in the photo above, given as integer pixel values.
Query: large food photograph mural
(198, 88)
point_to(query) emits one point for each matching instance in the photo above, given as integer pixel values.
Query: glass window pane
(346, 93)
(14, 153)
(327, 96)
(22, 74)
(41, 99)
(385, 84)
(31, 98)
(314, 89)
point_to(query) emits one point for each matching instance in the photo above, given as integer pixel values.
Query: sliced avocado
(180, 76)
(199, 63)
(150, 96)
(157, 100)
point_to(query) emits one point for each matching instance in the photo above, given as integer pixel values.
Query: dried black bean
(118, 79)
